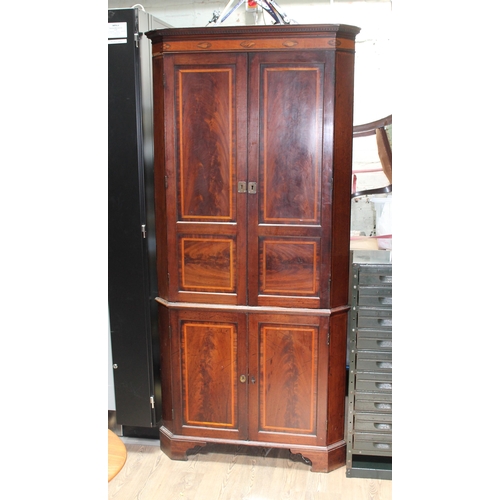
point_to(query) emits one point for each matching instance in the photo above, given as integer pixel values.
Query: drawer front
(374, 376)
(374, 322)
(372, 443)
(372, 422)
(372, 402)
(374, 361)
(375, 276)
(379, 386)
(374, 296)
(366, 343)
(374, 318)
(374, 312)
(373, 334)
(374, 301)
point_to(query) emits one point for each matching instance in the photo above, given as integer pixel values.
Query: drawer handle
(384, 343)
(383, 427)
(385, 322)
(385, 300)
(385, 279)
(382, 446)
(383, 406)
(383, 385)
(384, 364)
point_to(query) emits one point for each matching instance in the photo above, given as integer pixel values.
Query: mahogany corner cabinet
(253, 152)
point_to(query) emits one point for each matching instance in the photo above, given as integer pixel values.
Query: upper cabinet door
(205, 135)
(290, 162)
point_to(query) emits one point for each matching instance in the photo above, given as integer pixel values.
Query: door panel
(205, 113)
(211, 358)
(207, 263)
(207, 248)
(290, 143)
(289, 266)
(284, 354)
(289, 216)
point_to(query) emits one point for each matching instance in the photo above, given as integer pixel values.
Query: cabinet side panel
(159, 117)
(342, 156)
(166, 366)
(337, 377)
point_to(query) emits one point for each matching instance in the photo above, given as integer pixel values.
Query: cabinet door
(205, 156)
(287, 374)
(290, 159)
(208, 358)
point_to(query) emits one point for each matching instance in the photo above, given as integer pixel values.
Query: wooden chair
(377, 128)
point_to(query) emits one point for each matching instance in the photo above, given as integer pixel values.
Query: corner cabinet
(253, 152)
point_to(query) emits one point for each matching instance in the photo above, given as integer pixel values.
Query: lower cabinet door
(287, 378)
(209, 372)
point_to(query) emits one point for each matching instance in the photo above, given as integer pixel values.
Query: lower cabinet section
(256, 378)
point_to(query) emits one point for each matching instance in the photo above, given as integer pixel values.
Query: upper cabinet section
(252, 164)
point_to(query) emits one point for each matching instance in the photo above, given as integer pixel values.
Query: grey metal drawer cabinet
(369, 409)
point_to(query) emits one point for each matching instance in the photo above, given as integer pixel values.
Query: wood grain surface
(117, 455)
(232, 472)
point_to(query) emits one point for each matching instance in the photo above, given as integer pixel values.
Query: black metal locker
(131, 235)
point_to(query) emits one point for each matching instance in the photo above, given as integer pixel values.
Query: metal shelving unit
(369, 417)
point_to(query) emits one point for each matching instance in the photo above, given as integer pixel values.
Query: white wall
(373, 69)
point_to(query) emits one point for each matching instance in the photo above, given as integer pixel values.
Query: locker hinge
(328, 339)
(169, 332)
(173, 414)
(166, 182)
(152, 401)
(143, 230)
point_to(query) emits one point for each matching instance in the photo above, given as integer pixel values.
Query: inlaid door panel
(290, 102)
(210, 359)
(289, 266)
(286, 381)
(290, 138)
(205, 114)
(206, 101)
(207, 263)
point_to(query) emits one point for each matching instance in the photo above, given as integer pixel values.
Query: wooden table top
(117, 455)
